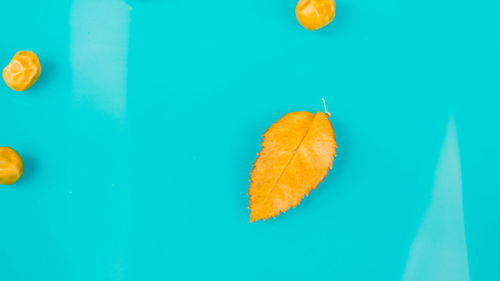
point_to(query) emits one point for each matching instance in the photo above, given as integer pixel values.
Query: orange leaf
(297, 152)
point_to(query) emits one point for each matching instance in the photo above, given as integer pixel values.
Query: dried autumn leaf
(297, 152)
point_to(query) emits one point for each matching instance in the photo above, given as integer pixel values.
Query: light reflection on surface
(99, 45)
(98, 55)
(439, 250)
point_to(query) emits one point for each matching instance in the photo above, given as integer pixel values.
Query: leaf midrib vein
(289, 161)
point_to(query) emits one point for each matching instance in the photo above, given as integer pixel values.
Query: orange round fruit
(11, 166)
(314, 14)
(22, 71)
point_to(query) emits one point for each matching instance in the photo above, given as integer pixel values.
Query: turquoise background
(139, 137)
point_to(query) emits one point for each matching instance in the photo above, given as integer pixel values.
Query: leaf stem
(326, 111)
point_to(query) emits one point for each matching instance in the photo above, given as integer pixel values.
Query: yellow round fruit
(22, 71)
(314, 14)
(11, 166)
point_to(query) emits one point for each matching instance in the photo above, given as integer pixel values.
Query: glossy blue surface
(139, 137)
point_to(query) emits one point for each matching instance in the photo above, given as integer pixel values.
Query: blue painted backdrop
(139, 137)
